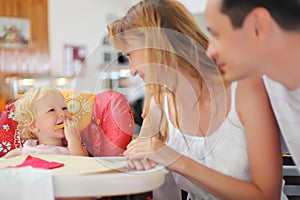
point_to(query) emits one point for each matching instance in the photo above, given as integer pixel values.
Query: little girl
(46, 124)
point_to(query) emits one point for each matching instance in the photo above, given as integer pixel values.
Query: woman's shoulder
(250, 89)
(251, 84)
(251, 96)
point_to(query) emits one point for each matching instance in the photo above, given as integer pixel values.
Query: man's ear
(262, 21)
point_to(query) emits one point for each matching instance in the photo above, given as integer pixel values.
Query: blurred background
(63, 43)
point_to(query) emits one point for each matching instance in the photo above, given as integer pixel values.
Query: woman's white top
(225, 151)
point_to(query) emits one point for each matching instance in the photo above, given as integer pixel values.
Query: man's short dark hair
(285, 12)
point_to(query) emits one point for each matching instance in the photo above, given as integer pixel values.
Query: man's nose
(211, 51)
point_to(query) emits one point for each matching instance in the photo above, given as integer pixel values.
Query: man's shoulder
(278, 90)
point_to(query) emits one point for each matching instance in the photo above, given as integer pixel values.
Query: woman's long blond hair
(154, 25)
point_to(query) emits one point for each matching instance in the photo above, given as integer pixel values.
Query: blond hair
(25, 113)
(167, 32)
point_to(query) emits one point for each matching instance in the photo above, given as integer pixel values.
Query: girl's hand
(72, 136)
(71, 130)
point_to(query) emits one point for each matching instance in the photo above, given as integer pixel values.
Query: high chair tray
(96, 176)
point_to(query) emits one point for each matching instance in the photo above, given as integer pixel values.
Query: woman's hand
(143, 153)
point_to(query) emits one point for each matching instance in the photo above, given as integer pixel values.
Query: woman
(220, 140)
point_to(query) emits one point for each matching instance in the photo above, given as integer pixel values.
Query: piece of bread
(59, 126)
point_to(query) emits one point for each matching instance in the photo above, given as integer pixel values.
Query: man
(253, 37)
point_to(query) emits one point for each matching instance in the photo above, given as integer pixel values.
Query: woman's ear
(262, 23)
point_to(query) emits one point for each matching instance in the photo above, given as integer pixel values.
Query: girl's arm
(73, 138)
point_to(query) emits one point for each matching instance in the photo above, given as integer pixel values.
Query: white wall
(194, 6)
(83, 22)
(200, 18)
(79, 22)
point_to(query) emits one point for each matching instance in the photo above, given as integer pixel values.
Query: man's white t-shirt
(286, 106)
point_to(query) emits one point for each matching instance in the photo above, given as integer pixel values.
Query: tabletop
(109, 184)
(97, 176)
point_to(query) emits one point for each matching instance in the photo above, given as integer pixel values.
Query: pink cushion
(112, 125)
